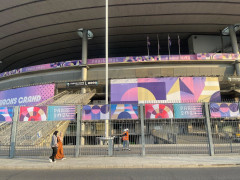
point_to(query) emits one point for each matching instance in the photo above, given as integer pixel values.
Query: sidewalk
(169, 161)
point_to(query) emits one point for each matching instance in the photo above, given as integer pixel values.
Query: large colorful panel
(124, 111)
(164, 90)
(28, 113)
(220, 110)
(158, 111)
(42, 67)
(95, 112)
(217, 56)
(188, 110)
(27, 96)
(6, 114)
(61, 113)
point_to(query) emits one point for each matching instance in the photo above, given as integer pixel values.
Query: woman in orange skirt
(60, 153)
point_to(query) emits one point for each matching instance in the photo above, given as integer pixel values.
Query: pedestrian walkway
(169, 161)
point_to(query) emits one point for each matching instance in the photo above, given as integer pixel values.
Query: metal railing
(146, 136)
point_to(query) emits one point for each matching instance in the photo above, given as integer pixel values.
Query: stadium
(168, 70)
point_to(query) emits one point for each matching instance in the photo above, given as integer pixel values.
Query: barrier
(147, 134)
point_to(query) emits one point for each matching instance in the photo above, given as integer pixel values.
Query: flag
(158, 44)
(148, 44)
(169, 45)
(179, 45)
(169, 41)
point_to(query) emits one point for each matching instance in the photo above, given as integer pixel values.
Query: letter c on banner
(20, 100)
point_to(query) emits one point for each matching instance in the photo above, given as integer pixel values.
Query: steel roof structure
(35, 32)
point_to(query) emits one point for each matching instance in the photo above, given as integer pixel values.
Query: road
(226, 173)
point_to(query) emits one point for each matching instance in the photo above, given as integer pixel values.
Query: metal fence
(226, 135)
(146, 136)
(176, 136)
(5, 134)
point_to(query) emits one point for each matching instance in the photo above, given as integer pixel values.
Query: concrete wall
(40, 77)
(143, 70)
(207, 44)
(162, 70)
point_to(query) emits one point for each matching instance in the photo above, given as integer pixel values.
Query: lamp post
(106, 54)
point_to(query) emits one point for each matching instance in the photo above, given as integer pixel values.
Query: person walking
(60, 153)
(125, 140)
(54, 147)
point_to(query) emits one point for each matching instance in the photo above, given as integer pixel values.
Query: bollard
(110, 147)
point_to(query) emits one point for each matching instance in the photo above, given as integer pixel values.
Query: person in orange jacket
(125, 140)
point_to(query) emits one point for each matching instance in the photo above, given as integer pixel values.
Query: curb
(122, 166)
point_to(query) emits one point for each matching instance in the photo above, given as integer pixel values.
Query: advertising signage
(26, 96)
(82, 83)
(60, 113)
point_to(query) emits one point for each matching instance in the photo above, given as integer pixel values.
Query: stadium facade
(160, 51)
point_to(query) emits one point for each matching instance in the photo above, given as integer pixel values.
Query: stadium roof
(42, 31)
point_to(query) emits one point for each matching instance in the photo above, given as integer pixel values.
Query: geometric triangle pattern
(165, 90)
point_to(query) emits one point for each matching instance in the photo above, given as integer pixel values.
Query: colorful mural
(158, 111)
(220, 110)
(124, 111)
(217, 56)
(95, 112)
(61, 113)
(33, 113)
(6, 114)
(188, 110)
(164, 90)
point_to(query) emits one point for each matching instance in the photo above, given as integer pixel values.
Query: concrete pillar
(84, 57)
(233, 39)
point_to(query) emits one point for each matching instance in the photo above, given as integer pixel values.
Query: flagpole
(158, 44)
(179, 47)
(148, 50)
(168, 48)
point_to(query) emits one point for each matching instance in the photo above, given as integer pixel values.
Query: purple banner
(164, 90)
(142, 59)
(27, 96)
(95, 112)
(42, 67)
(217, 56)
(221, 110)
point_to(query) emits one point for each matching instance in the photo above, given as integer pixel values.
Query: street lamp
(231, 30)
(106, 54)
(226, 30)
(89, 33)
